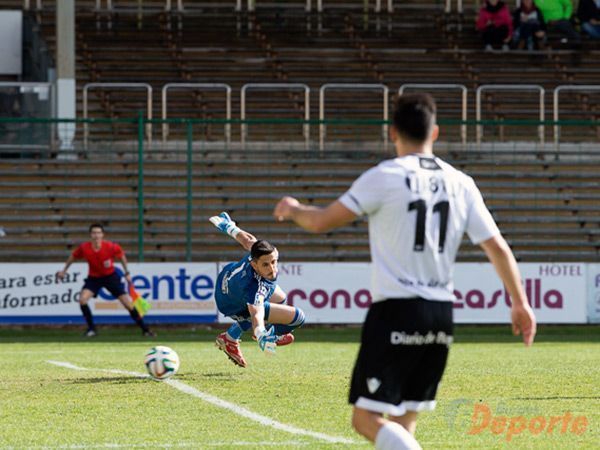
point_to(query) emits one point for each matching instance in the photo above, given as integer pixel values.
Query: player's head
(264, 258)
(96, 232)
(414, 120)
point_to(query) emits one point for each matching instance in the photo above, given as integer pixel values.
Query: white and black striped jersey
(419, 208)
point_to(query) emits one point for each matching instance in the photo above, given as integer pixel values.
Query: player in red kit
(100, 255)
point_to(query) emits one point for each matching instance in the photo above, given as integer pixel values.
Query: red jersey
(100, 261)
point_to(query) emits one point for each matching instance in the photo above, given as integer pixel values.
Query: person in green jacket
(557, 14)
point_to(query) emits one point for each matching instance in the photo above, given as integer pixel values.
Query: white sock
(393, 436)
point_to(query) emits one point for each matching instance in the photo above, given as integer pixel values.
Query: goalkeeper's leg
(236, 329)
(285, 319)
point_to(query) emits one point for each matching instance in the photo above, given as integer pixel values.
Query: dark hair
(414, 117)
(96, 225)
(261, 248)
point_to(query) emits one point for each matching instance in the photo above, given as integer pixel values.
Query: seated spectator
(557, 14)
(589, 16)
(495, 24)
(529, 26)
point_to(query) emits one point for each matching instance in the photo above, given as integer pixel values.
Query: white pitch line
(263, 420)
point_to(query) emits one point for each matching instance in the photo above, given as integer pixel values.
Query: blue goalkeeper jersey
(238, 286)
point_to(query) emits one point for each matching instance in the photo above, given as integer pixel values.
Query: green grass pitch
(303, 386)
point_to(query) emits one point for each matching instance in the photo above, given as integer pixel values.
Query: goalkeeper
(247, 292)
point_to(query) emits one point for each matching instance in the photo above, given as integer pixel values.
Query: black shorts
(403, 353)
(111, 282)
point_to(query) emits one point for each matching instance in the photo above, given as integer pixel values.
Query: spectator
(495, 24)
(557, 14)
(529, 26)
(589, 16)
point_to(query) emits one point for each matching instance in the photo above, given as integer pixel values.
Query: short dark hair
(96, 225)
(261, 248)
(414, 116)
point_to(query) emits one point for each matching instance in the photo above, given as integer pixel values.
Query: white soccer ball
(162, 362)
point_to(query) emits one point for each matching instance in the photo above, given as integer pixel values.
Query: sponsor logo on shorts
(402, 338)
(373, 384)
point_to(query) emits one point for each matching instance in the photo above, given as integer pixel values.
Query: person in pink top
(494, 22)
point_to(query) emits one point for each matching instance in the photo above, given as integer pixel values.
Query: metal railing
(556, 107)
(509, 87)
(274, 87)
(128, 86)
(196, 86)
(47, 89)
(352, 87)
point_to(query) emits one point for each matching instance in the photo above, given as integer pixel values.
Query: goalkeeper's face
(266, 265)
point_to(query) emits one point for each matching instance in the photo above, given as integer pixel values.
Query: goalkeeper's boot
(231, 348)
(90, 332)
(285, 339)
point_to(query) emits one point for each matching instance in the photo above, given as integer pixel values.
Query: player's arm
(501, 256)
(266, 338)
(61, 273)
(313, 218)
(123, 260)
(257, 315)
(226, 225)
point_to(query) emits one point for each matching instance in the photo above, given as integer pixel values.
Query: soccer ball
(162, 362)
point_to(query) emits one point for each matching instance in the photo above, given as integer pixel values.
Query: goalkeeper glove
(224, 223)
(267, 340)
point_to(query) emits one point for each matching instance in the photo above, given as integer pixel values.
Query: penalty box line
(216, 401)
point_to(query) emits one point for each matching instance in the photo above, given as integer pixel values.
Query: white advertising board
(339, 292)
(594, 293)
(178, 292)
(556, 292)
(327, 292)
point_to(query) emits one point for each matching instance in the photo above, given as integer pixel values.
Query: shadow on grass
(110, 380)
(321, 333)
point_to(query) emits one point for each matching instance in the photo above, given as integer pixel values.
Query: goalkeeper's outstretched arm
(226, 225)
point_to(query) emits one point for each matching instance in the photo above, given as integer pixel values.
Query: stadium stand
(544, 198)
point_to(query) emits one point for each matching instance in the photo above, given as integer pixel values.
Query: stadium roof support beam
(65, 71)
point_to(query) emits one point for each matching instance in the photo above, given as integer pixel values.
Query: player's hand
(61, 274)
(223, 222)
(285, 208)
(267, 340)
(523, 322)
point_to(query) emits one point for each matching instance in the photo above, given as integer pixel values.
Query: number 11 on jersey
(443, 208)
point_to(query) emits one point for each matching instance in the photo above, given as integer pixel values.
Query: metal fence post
(140, 130)
(188, 224)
